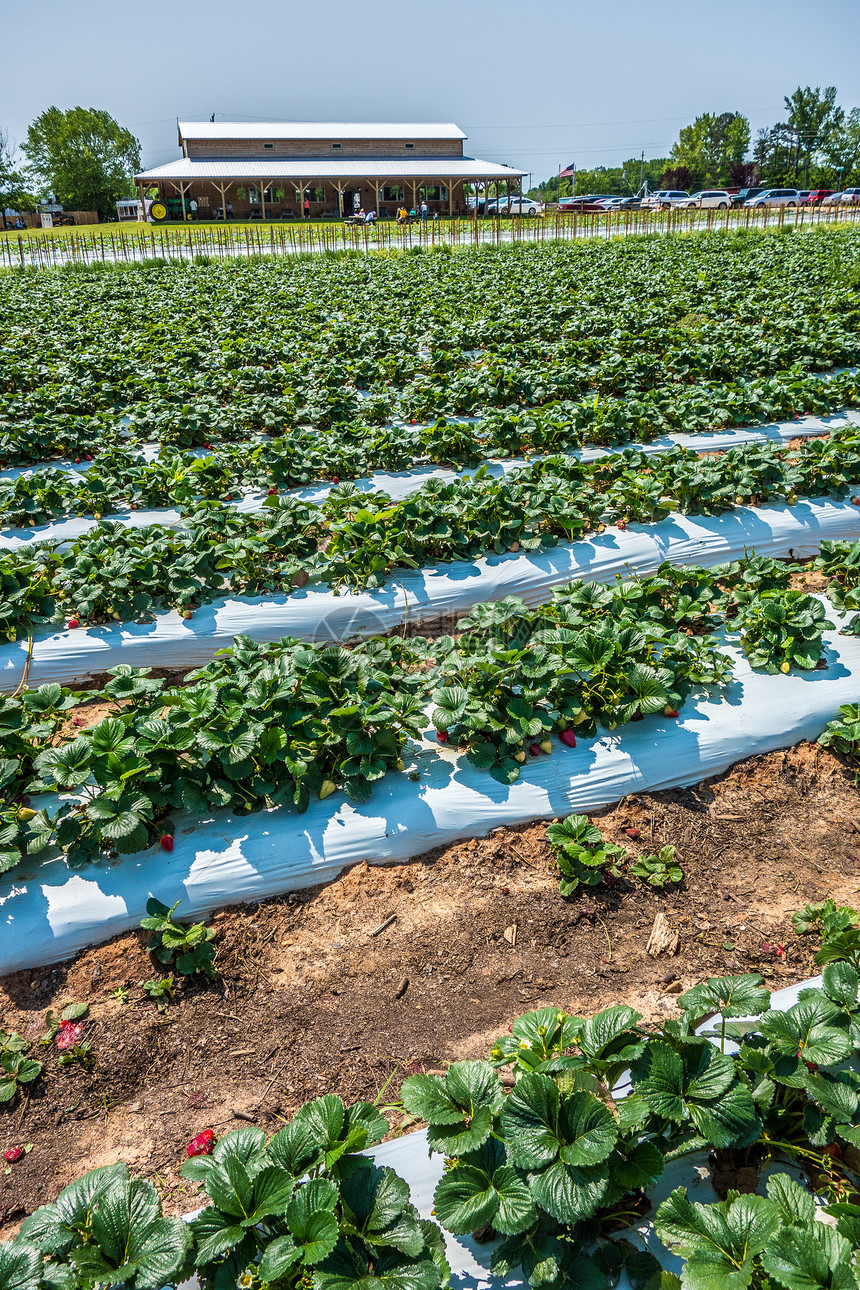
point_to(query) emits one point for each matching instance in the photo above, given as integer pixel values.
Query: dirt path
(313, 997)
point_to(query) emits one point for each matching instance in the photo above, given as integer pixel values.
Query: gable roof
(214, 130)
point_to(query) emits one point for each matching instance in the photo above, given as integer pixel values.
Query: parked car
(848, 197)
(574, 205)
(817, 196)
(716, 198)
(620, 203)
(775, 197)
(665, 199)
(518, 206)
(746, 194)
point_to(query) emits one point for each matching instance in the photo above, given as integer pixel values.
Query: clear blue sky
(534, 84)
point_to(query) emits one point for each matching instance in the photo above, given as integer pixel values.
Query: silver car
(775, 197)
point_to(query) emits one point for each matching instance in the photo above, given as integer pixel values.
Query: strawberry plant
(660, 870)
(581, 856)
(189, 949)
(16, 1069)
(837, 927)
(840, 563)
(843, 733)
(162, 991)
(779, 629)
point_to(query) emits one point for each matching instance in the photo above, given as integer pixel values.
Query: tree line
(817, 145)
(81, 157)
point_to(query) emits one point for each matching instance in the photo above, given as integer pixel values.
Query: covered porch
(221, 190)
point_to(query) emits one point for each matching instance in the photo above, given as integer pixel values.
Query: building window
(409, 145)
(393, 193)
(434, 193)
(337, 145)
(268, 145)
(254, 196)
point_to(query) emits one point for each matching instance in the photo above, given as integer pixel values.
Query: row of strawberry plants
(355, 540)
(530, 325)
(119, 478)
(551, 1162)
(276, 725)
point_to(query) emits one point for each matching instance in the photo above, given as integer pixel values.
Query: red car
(576, 205)
(817, 196)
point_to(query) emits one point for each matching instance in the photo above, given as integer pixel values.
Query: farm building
(288, 170)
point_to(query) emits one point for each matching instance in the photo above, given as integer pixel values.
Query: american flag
(568, 172)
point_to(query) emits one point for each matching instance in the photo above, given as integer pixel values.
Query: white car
(716, 198)
(665, 199)
(850, 197)
(518, 206)
(775, 197)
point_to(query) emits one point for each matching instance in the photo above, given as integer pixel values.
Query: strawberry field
(311, 562)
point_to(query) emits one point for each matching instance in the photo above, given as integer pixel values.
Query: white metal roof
(391, 168)
(213, 130)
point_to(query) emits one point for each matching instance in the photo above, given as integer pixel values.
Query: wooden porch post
(450, 183)
(142, 212)
(219, 188)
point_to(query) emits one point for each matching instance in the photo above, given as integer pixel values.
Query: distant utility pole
(641, 167)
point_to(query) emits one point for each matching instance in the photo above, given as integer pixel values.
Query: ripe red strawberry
(167, 842)
(670, 712)
(74, 622)
(202, 1145)
(442, 736)
(272, 491)
(13, 1154)
(568, 737)
(855, 501)
(534, 749)
(77, 461)
(335, 479)
(89, 456)
(632, 833)
(69, 1034)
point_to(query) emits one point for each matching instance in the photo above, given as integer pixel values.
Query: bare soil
(386, 971)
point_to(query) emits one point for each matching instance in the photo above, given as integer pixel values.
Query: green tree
(774, 156)
(13, 186)
(711, 146)
(839, 163)
(83, 157)
(814, 119)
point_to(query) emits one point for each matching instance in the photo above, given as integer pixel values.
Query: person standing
(425, 211)
(307, 207)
